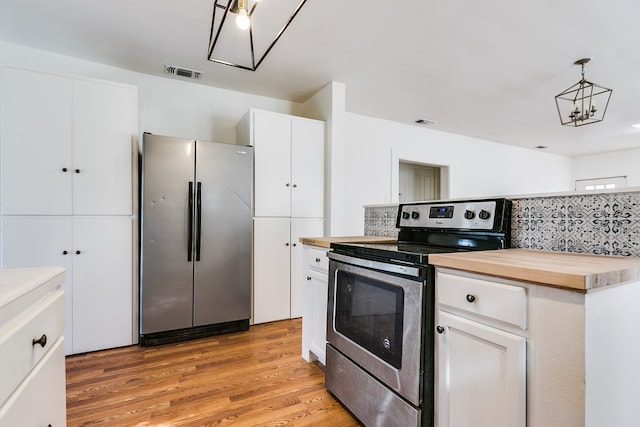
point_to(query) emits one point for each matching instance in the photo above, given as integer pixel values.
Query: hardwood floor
(253, 378)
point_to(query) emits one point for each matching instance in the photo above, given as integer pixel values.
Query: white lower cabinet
(481, 359)
(277, 266)
(314, 295)
(97, 253)
(32, 364)
(481, 375)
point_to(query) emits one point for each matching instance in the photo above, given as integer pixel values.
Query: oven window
(370, 313)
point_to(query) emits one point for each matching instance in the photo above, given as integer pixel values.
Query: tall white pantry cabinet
(67, 149)
(288, 204)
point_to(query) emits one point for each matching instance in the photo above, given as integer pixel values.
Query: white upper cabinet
(35, 137)
(67, 143)
(289, 164)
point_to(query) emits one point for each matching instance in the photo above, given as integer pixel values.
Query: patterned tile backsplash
(601, 224)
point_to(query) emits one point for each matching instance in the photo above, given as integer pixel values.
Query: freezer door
(166, 285)
(222, 272)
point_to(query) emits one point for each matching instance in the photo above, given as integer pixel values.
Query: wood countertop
(325, 242)
(564, 270)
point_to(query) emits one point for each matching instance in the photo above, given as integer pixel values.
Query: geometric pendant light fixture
(243, 32)
(583, 103)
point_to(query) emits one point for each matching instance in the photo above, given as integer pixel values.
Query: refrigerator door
(222, 272)
(166, 286)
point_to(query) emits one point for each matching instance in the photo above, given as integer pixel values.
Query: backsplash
(602, 223)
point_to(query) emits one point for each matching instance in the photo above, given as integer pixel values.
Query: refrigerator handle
(190, 224)
(198, 219)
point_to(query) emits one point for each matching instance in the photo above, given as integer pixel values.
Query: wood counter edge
(325, 242)
(539, 275)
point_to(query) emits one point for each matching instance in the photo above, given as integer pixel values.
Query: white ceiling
(488, 69)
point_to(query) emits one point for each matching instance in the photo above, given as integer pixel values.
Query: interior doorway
(419, 182)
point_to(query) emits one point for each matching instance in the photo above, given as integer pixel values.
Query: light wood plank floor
(253, 378)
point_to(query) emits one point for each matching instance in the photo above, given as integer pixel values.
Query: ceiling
(487, 69)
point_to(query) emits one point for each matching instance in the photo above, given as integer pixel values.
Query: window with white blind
(598, 184)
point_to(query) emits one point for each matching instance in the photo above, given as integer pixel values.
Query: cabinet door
(481, 375)
(35, 133)
(300, 228)
(103, 283)
(271, 266)
(307, 168)
(272, 151)
(37, 242)
(103, 116)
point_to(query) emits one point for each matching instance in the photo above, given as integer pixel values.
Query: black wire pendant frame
(225, 7)
(581, 98)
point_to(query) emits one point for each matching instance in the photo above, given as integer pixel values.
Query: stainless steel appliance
(380, 315)
(196, 238)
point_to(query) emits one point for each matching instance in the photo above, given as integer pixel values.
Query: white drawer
(505, 303)
(40, 400)
(18, 353)
(317, 259)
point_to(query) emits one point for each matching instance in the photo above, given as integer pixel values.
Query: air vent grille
(182, 72)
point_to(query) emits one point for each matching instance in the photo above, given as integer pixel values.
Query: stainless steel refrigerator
(196, 238)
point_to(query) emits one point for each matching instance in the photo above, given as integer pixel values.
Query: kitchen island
(314, 295)
(538, 339)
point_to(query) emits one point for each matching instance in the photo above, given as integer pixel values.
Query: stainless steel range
(380, 315)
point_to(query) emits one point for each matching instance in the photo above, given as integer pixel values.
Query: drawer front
(18, 353)
(317, 259)
(497, 301)
(40, 400)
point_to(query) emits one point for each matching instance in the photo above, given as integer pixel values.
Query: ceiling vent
(182, 72)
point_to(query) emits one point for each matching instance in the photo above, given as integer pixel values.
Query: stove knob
(405, 215)
(484, 214)
(469, 214)
(415, 215)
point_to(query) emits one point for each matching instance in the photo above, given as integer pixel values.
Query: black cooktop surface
(385, 252)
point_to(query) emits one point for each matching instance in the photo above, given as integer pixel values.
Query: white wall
(477, 168)
(168, 106)
(606, 165)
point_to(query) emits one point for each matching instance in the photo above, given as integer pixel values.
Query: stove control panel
(467, 215)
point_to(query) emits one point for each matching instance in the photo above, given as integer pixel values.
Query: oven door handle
(376, 265)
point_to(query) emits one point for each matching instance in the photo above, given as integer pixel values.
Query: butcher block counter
(576, 272)
(325, 242)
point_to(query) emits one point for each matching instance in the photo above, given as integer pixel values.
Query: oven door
(375, 319)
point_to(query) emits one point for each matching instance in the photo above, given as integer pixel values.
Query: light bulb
(242, 20)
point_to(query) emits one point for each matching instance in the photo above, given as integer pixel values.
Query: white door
(481, 375)
(103, 115)
(307, 168)
(271, 269)
(272, 154)
(37, 242)
(35, 133)
(103, 283)
(300, 228)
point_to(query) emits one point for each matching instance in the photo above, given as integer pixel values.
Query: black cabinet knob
(77, 170)
(295, 185)
(78, 252)
(440, 329)
(308, 277)
(286, 244)
(317, 259)
(295, 244)
(64, 169)
(65, 252)
(471, 298)
(42, 341)
(288, 185)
